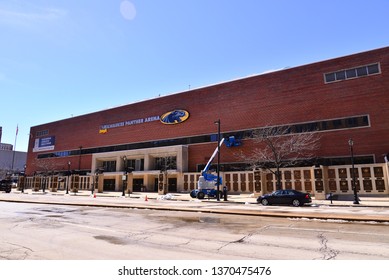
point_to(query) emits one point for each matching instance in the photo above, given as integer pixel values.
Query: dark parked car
(290, 197)
(6, 185)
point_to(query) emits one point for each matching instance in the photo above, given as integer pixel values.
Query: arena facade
(168, 139)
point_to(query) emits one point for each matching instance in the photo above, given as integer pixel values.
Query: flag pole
(13, 155)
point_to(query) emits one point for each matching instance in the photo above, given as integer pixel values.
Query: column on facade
(182, 165)
(259, 182)
(387, 173)
(100, 180)
(320, 182)
(130, 183)
(148, 164)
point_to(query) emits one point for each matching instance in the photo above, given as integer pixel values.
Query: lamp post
(351, 144)
(125, 175)
(218, 161)
(67, 183)
(94, 181)
(24, 179)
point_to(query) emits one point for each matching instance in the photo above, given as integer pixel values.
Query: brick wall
(289, 96)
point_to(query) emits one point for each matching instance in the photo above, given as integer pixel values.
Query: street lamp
(67, 183)
(218, 161)
(25, 177)
(94, 182)
(125, 174)
(351, 144)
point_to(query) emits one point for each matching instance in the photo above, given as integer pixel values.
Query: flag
(17, 129)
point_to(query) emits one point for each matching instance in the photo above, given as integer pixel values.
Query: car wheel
(265, 202)
(296, 202)
(200, 195)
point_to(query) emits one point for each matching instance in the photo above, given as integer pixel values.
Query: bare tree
(167, 163)
(46, 166)
(278, 146)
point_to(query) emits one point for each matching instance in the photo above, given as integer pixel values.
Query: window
(42, 133)
(109, 166)
(166, 163)
(352, 73)
(352, 122)
(330, 77)
(373, 69)
(341, 75)
(362, 71)
(136, 164)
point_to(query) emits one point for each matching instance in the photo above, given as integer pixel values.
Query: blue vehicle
(207, 183)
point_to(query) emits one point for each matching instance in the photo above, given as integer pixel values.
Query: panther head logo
(175, 117)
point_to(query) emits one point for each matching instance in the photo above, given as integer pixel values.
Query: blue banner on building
(44, 144)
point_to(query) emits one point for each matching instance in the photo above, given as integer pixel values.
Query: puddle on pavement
(27, 213)
(54, 216)
(47, 212)
(210, 220)
(112, 239)
(55, 210)
(196, 219)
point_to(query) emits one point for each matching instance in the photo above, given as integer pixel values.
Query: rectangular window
(136, 164)
(337, 124)
(330, 77)
(352, 73)
(364, 121)
(109, 166)
(42, 133)
(131, 163)
(352, 122)
(373, 69)
(166, 163)
(362, 71)
(340, 75)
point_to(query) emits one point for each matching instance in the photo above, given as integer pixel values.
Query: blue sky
(66, 58)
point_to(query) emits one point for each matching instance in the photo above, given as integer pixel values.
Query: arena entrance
(138, 185)
(172, 185)
(109, 185)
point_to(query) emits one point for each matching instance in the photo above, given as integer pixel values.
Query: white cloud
(29, 15)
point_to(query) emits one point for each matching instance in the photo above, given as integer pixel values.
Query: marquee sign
(104, 128)
(172, 117)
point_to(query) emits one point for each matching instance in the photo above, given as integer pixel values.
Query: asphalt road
(65, 232)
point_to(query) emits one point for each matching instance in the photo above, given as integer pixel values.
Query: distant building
(10, 161)
(6, 159)
(6, 147)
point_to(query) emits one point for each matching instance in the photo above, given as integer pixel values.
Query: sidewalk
(370, 209)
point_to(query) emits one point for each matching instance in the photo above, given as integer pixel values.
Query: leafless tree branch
(277, 147)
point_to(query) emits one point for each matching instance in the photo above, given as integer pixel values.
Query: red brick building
(341, 98)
